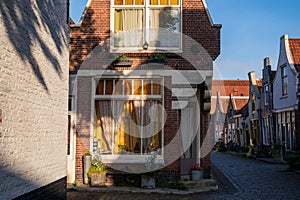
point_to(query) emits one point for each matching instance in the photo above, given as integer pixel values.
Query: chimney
(267, 62)
(252, 79)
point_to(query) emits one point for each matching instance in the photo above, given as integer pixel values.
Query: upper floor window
(146, 25)
(284, 80)
(253, 102)
(266, 94)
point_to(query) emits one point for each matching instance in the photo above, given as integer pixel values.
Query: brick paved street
(248, 179)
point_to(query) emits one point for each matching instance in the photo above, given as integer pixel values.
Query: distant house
(141, 74)
(268, 128)
(224, 93)
(286, 94)
(248, 118)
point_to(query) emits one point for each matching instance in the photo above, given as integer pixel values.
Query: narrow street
(237, 177)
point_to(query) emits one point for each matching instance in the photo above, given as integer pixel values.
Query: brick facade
(92, 34)
(33, 96)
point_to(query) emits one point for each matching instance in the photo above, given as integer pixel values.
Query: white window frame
(146, 38)
(119, 158)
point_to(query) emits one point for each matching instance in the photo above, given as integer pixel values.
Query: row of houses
(262, 113)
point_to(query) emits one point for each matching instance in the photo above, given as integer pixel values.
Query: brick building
(228, 97)
(141, 74)
(33, 99)
(286, 96)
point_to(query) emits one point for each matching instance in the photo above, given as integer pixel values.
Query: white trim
(178, 76)
(183, 92)
(146, 7)
(119, 158)
(208, 14)
(178, 105)
(285, 109)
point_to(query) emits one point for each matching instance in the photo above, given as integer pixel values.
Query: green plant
(121, 58)
(158, 58)
(176, 185)
(74, 183)
(88, 153)
(97, 166)
(293, 160)
(122, 147)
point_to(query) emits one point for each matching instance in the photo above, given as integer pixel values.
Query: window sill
(284, 97)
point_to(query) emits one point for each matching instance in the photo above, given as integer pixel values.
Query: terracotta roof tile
(295, 50)
(227, 87)
(237, 88)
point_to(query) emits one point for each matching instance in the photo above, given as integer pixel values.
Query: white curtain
(107, 121)
(164, 28)
(131, 33)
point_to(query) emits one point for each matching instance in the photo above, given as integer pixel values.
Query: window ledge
(284, 96)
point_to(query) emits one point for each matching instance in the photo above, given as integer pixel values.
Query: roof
(295, 50)
(238, 89)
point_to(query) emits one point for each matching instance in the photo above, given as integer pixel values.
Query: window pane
(100, 86)
(174, 2)
(108, 87)
(156, 87)
(128, 2)
(164, 27)
(164, 2)
(153, 2)
(118, 87)
(139, 2)
(118, 2)
(147, 87)
(128, 28)
(138, 87)
(152, 125)
(127, 87)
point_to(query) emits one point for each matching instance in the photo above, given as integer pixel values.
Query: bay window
(128, 116)
(146, 24)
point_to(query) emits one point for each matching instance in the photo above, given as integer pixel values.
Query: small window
(266, 94)
(284, 80)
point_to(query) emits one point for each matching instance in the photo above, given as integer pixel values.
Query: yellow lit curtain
(127, 131)
(122, 123)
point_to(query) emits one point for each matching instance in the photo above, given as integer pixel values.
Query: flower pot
(87, 159)
(197, 175)
(98, 179)
(148, 181)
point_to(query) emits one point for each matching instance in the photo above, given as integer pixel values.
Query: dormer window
(154, 24)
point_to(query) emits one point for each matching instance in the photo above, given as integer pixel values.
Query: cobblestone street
(237, 177)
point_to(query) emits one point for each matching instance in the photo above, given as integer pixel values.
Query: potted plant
(157, 58)
(97, 172)
(197, 172)
(122, 61)
(122, 148)
(86, 159)
(151, 168)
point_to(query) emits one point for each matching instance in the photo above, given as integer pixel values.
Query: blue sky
(251, 30)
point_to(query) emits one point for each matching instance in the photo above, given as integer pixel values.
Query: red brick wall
(94, 31)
